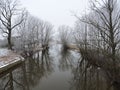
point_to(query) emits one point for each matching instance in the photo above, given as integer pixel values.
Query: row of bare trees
(34, 33)
(100, 44)
(29, 29)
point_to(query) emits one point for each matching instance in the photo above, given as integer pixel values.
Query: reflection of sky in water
(59, 80)
(52, 72)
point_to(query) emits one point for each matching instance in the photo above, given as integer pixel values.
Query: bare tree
(104, 21)
(45, 33)
(9, 9)
(64, 35)
(35, 34)
(29, 32)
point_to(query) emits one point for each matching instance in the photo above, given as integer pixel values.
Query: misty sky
(58, 12)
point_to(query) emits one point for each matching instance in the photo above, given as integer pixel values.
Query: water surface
(47, 70)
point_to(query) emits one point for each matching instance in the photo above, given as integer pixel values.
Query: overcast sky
(58, 12)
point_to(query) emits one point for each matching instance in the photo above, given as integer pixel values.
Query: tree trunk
(9, 40)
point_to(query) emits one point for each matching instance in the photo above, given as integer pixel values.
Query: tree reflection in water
(67, 60)
(80, 75)
(87, 77)
(29, 73)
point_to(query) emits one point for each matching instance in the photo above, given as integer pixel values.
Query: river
(47, 70)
